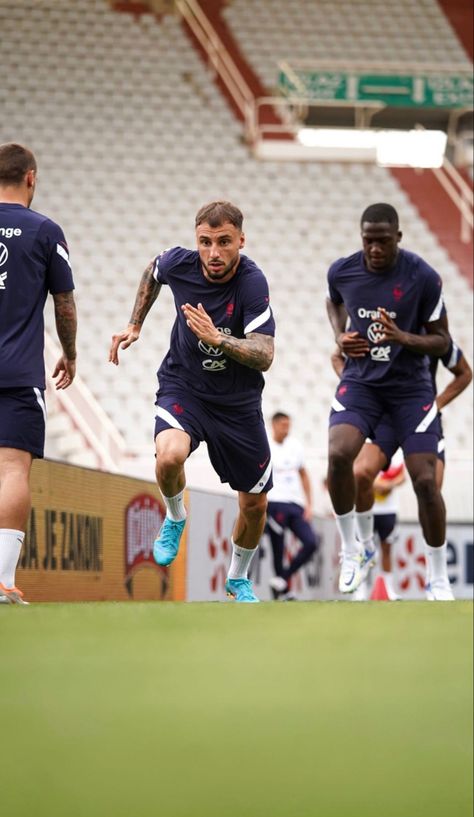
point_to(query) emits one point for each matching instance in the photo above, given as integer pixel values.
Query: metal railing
(87, 415)
(460, 194)
(219, 58)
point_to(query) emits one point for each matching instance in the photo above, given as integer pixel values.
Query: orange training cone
(379, 591)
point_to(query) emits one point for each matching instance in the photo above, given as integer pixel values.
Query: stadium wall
(90, 538)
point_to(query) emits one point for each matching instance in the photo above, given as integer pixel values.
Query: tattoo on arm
(254, 351)
(148, 290)
(66, 322)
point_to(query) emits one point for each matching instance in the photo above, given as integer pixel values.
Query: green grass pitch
(225, 710)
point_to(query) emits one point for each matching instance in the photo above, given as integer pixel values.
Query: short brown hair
(15, 162)
(219, 212)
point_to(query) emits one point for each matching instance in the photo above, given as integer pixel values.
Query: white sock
(364, 525)
(387, 576)
(10, 549)
(175, 509)
(436, 562)
(240, 562)
(346, 526)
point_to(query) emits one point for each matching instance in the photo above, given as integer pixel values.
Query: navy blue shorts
(411, 410)
(236, 437)
(385, 438)
(384, 526)
(23, 419)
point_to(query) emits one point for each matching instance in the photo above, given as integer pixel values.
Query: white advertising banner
(210, 522)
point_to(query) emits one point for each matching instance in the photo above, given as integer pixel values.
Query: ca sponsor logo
(214, 365)
(3, 254)
(381, 354)
(375, 332)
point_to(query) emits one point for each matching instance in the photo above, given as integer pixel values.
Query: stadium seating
(132, 136)
(274, 30)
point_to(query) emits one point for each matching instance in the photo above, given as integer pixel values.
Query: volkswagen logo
(212, 351)
(375, 332)
(3, 254)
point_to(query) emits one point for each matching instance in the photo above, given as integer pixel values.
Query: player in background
(289, 505)
(377, 454)
(394, 302)
(34, 260)
(385, 512)
(210, 381)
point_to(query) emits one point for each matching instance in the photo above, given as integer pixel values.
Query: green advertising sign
(407, 91)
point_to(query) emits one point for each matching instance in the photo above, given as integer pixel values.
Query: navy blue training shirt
(450, 360)
(34, 260)
(411, 293)
(236, 308)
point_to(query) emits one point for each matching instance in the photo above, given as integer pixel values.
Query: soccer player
(289, 505)
(377, 454)
(210, 381)
(393, 300)
(34, 260)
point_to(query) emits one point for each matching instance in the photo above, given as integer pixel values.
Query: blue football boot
(165, 548)
(241, 590)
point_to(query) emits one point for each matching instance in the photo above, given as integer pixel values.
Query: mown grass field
(224, 710)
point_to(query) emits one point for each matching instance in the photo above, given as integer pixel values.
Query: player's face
(218, 249)
(281, 429)
(380, 244)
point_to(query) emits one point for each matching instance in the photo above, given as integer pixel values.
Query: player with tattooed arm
(34, 260)
(210, 381)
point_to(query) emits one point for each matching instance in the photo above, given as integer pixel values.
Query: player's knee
(424, 485)
(254, 506)
(339, 461)
(169, 461)
(363, 476)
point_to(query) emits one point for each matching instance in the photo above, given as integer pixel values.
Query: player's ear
(30, 179)
(242, 241)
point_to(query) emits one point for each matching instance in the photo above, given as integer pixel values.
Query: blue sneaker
(241, 590)
(165, 548)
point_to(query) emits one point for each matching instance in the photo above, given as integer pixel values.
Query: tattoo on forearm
(254, 351)
(147, 294)
(66, 322)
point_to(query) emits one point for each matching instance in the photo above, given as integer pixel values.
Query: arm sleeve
(59, 273)
(432, 304)
(333, 293)
(257, 312)
(162, 265)
(452, 356)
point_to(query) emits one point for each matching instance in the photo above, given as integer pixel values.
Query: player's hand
(65, 371)
(353, 344)
(201, 324)
(308, 513)
(391, 330)
(123, 340)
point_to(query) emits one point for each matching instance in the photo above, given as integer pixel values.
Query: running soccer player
(394, 302)
(377, 454)
(34, 260)
(210, 381)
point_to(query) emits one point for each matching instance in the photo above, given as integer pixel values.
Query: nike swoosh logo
(425, 408)
(262, 464)
(351, 579)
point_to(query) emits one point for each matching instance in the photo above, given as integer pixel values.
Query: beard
(218, 274)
